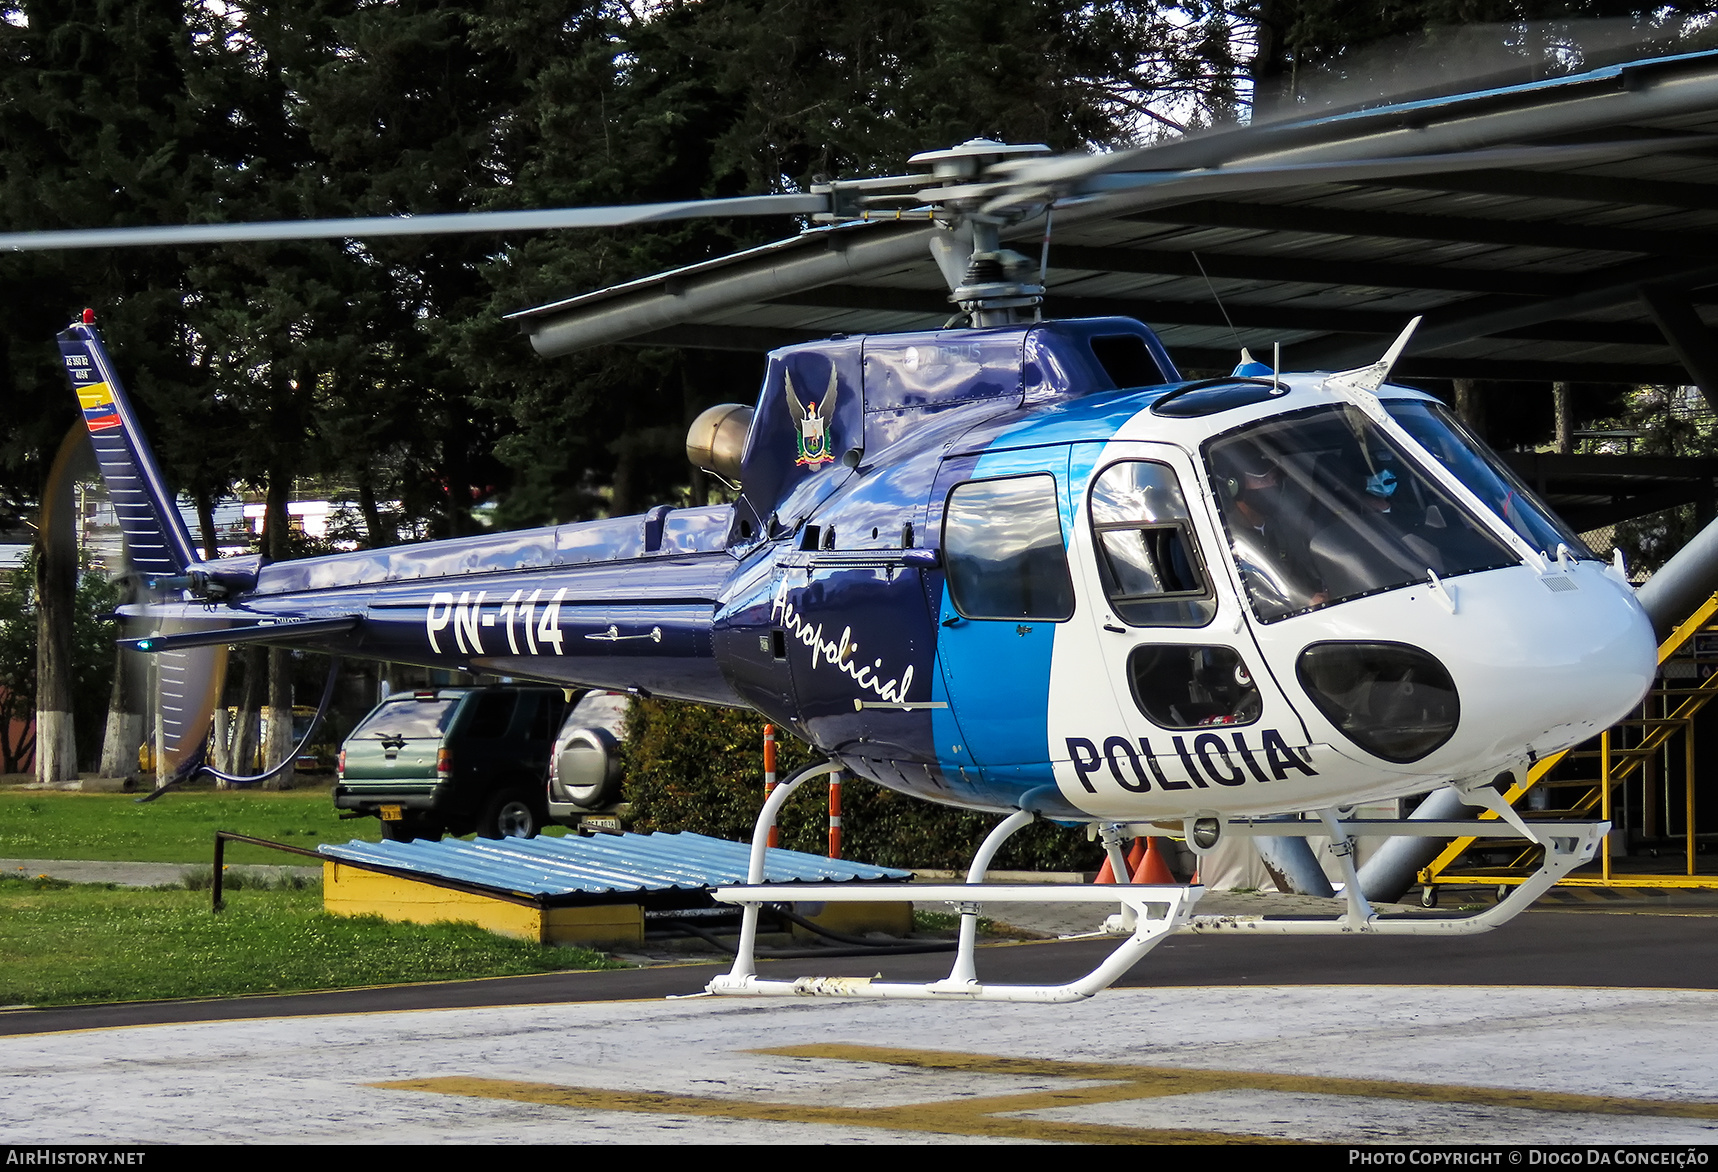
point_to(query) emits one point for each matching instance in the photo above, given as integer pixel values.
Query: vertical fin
(155, 535)
(190, 683)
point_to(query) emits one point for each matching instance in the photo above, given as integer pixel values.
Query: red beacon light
(89, 317)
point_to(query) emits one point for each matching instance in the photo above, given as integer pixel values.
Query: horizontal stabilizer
(286, 631)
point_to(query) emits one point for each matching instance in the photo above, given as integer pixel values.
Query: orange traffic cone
(1151, 867)
(1106, 873)
(1134, 855)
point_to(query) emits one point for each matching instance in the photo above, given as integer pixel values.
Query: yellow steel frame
(1616, 765)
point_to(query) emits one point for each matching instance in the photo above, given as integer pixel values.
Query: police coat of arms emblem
(815, 439)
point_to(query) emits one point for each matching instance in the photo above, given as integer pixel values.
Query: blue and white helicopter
(1015, 565)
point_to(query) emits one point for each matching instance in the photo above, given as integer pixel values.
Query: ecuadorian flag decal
(99, 411)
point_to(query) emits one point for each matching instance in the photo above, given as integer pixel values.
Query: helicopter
(1015, 565)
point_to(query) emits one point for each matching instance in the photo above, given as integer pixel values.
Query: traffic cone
(1152, 868)
(1134, 855)
(1106, 873)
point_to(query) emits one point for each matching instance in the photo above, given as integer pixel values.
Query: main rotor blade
(371, 227)
(1187, 184)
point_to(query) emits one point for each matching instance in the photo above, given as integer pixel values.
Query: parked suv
(585, 767)
(453, 761)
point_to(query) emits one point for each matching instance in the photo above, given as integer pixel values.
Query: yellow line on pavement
(1155, 1081)
(944, 1117)
(998, 1116)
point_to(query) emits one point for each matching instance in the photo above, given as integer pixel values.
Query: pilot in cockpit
(1379, 542)
(1268, 534)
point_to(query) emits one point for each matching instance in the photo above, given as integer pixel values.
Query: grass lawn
(63, 944)
(177, 828)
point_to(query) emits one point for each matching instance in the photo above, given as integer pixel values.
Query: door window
(1002, 541)
(492, 713)
(1191, 687)
(1147, 557)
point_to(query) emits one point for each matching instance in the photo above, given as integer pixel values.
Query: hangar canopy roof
(1561, 229)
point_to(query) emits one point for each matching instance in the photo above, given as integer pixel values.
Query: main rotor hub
(973, 156)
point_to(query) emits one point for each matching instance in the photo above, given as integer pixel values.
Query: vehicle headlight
(1395, 701)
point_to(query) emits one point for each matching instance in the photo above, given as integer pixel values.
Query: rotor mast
(991, 285)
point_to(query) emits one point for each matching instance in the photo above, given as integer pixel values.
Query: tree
(726, 97)
(1310, 52)
(92, 662)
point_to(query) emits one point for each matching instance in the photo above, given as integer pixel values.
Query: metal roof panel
(604, 864)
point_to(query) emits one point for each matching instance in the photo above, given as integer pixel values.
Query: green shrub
(696, 768)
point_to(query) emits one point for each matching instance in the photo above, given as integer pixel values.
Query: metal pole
(1605, 801)
(1688, 789)
(835, 815)
(215, 886)
(1678, 588)
(1649, 778)
(770, 778)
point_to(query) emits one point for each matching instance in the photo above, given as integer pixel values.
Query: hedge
(695, 768)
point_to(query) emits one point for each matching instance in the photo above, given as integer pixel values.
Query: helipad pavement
(1340, 1064)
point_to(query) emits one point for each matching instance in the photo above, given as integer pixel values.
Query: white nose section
(1540, 662)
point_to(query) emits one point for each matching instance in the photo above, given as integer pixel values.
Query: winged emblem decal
(815, 446)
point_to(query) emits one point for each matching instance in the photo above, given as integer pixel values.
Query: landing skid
(1149, 914)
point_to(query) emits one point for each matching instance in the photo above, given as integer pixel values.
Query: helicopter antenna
(1220, 307)
(1044, 265)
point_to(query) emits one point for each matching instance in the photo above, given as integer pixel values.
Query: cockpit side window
(1127, 360)
(1003, 547)
(1147, 556)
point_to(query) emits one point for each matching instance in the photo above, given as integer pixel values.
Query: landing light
(1205, 833)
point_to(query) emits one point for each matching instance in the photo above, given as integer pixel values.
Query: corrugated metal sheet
(1329, 268)
(603, 865)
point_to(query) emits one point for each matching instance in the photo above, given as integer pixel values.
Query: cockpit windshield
(1321, 506)
(1441, 433)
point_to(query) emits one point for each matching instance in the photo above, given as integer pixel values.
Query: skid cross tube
(1148, 932)
(962, 983)
(1567, 845)
(744, 959)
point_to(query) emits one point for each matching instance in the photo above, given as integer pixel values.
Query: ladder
(1620, 757)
